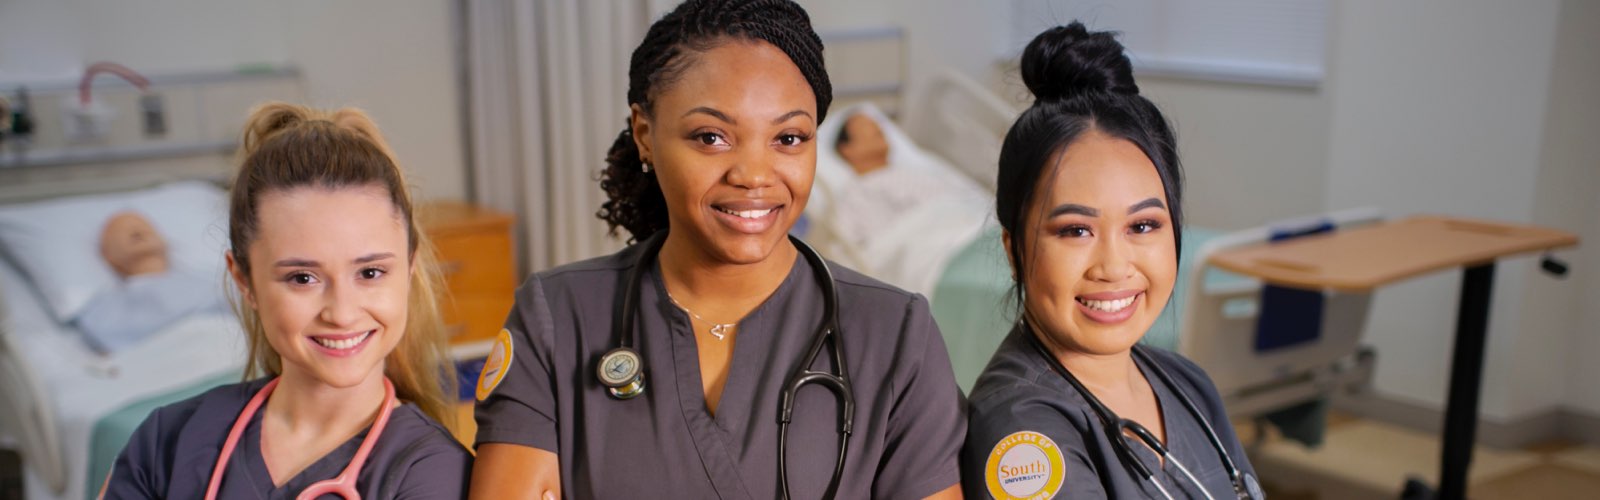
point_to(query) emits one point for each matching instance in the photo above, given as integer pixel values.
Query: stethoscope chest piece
(622, 373)
(1252, 488)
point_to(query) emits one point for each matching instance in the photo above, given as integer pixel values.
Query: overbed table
(1361, 259)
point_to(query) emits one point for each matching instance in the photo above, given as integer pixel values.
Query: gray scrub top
(909, 421)
(172, 453)
(1031, 433)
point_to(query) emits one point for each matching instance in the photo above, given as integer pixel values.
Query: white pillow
(56, 242)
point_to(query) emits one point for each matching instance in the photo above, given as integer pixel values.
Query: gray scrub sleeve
(440, 473)
(137, 472)
(520, 408)
(927, 424)
(998, 454)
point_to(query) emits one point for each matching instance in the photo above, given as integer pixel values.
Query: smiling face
(1099, 250)
(731, 140)
(331, 291)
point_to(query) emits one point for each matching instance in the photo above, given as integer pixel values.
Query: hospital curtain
(546, 94)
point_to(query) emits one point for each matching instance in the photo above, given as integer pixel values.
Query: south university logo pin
(1025, 465)
(496, 366)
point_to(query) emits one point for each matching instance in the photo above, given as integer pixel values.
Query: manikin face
(868, 149)
(732, 144)
(131, 245)
(1101, 257)
(331, 291)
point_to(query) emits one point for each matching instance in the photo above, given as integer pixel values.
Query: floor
(1365, 459)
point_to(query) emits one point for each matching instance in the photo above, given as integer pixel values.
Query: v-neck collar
(716, 437)
(254, 465)
(754, 335)
(1180, 445)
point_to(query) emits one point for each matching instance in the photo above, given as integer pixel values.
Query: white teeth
(747, 214)
(342, 344)
(1108, 305)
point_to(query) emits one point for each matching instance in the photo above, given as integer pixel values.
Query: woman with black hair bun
(1089, 197)
(670, 369)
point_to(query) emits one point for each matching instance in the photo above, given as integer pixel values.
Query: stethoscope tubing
(1115, 425)
(344, 485)
(827, 334)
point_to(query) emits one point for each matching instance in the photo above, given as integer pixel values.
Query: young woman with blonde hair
(336, 295)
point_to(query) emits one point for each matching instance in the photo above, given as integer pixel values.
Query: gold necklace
(718, 330)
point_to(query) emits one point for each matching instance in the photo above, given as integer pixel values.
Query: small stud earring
(644, 167)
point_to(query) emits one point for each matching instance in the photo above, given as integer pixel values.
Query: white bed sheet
(907, 248)
(86, 386)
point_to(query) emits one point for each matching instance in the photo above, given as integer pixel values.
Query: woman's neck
(721, 291)
(305, 406)
(305, 419)
(1105, 374)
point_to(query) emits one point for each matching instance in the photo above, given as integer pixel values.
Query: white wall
(958, 34)
(395, 58)
(1566, 195)
(1438, 108)
(1251, 154)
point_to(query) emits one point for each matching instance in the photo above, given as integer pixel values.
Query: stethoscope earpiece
(622, 373)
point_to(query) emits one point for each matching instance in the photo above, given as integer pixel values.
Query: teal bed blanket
(112, 431)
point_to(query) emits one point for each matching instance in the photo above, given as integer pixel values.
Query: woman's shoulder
(1014, 409)
(425, 460)
(1012, 373)
(1183, 370)
(586, 269)
(223, 399)
(424, 434)
(199, 421)
(584, 278)
(856, 288)
(1014, 390)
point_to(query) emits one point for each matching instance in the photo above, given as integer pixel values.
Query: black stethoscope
(1245, 486)
(621, 369)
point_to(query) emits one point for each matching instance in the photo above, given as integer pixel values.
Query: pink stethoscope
(344, 485)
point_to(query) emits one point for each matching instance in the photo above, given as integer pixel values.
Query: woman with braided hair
(670, 369)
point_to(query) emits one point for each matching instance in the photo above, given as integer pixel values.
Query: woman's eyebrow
(791, 114)
(374, 257)
(713, 112)
(294, 262)
(1148, 203)
(1074, 208)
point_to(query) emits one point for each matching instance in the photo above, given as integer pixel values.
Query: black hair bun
(1069, 61)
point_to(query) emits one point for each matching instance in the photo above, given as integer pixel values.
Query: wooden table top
(1363, 258)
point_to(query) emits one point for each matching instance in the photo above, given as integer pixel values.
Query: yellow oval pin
(1025, 465)
(496, 365)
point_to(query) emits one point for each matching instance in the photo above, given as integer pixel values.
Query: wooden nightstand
(475, 262)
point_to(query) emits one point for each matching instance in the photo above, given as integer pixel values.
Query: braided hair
(635, 201)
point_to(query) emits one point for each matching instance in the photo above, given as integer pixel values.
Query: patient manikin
(885, 188)
(149, 294)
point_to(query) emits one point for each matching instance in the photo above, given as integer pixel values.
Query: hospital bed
(69, 409)
(949, 250)
(1266, 347)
